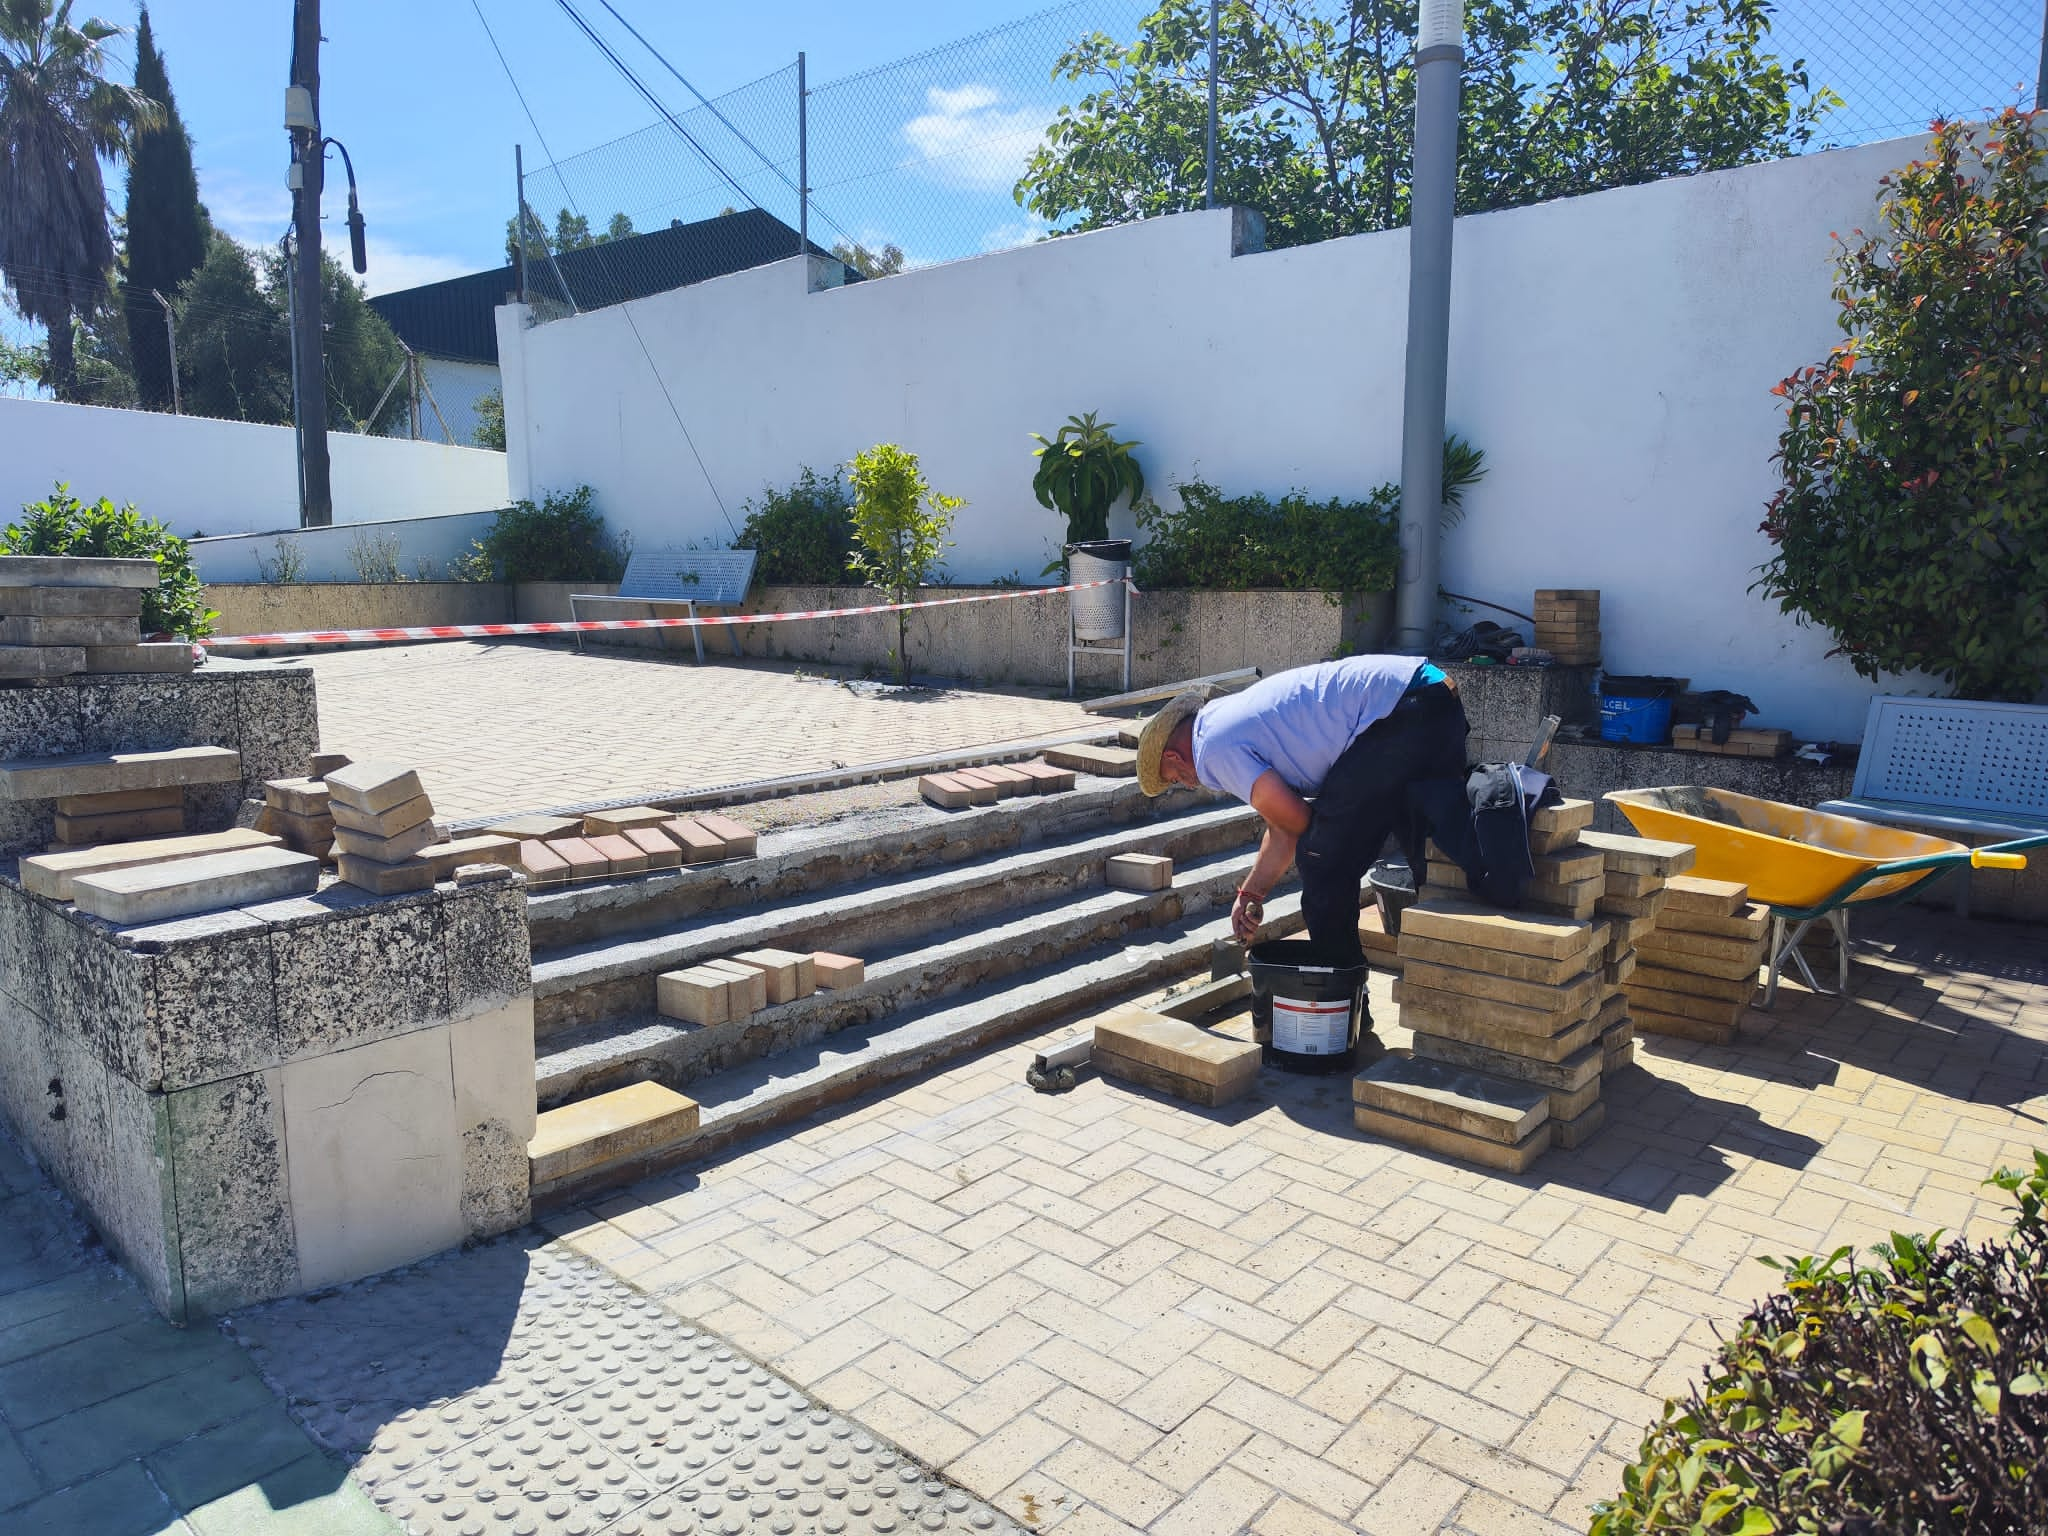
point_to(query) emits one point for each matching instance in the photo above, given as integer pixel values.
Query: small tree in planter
(1914, 509)
(899, 530)
(1081, 473)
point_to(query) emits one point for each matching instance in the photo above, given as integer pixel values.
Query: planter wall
(1019, 641)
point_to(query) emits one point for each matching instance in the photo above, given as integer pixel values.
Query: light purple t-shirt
(1296, 723)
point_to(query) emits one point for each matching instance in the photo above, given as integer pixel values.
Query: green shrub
(1903, 1397)
(899, 530)
(1914, 510)
(1231, 543)
(562, 539)
(61, 524)
(804, 533)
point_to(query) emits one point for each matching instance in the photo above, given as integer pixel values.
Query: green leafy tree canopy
(167, 229)
(1316, 106)
(1912, 523)
(59, 117)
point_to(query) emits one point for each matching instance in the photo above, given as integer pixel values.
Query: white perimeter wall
(1613, 354)
(220, 477)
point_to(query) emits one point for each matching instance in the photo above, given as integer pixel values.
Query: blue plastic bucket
(1646, 722)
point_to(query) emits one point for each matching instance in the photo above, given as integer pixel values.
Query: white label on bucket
(1311, 1028)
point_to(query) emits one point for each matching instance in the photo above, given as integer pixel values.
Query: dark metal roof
(453, 318)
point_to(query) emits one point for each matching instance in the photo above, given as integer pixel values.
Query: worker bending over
(1349, 736)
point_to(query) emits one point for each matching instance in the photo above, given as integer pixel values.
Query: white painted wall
(220, 477)
(1613, 354)
(455, 386)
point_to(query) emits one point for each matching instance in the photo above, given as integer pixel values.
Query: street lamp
(355, 212)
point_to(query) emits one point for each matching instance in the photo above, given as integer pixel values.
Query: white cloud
(970, 139)
(393, 267)
(1007, 237)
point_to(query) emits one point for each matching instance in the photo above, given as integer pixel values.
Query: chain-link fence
(1063, 120)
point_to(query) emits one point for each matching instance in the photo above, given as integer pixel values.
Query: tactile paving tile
(517, 1390)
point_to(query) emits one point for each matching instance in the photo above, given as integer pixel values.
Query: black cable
(625, 307)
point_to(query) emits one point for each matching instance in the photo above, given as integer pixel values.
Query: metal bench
(1963, 769)
(686, 578)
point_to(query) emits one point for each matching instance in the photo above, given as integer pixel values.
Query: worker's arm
(1286, 816)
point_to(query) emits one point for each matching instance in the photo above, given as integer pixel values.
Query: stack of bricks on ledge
(65, 614)
(635, 840)
(1568, 625)
(1698, 967)
(1518, 1015)
(998, 781)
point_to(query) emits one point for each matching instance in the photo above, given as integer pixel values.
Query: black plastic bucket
(1305, 1015)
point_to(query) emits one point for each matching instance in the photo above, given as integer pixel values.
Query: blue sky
(415, 92)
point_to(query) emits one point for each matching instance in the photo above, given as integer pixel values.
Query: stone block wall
(265, 712)
(258, 1102)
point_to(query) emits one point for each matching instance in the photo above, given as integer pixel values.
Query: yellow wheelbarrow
(1805, 865)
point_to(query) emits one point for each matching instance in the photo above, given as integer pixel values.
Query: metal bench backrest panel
(672, 574)
(1957, 753)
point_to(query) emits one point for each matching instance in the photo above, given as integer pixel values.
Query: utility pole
(1209, 132)
(171, 334)
(302, 121)
(1432, 199)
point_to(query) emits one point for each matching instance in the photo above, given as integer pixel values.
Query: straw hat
(1158, 730)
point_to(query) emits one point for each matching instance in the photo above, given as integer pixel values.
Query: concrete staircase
(973, 925)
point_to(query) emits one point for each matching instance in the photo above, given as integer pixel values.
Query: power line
(625, 309)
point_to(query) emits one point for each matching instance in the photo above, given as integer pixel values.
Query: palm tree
(59, 116)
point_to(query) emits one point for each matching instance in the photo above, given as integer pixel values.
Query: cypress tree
(167, 228)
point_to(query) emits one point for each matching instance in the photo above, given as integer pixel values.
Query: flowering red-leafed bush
(1913, 520)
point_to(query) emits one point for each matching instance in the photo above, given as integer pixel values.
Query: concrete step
(791, 1084)
(936, 964)
(613, 979)
(803, 860)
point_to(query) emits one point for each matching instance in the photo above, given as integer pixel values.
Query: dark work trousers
(1364, 798)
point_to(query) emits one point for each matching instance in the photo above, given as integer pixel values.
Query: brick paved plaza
(500, 728)
(1110, 1311)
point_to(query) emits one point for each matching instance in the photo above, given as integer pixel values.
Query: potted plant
(1082, 472)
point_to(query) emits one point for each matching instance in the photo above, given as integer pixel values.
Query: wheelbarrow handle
(1986, 858)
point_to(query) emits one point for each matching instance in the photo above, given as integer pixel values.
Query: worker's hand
(1247, 915)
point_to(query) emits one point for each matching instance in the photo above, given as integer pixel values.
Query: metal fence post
(2041, 74)
(803, 161)
(519, 223)
(1209, 136)
(171, 337)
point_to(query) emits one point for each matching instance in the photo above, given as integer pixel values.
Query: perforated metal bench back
(1956, 753)
(715, 576)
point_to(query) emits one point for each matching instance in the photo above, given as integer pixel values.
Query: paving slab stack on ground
(1517, 1015)
(1568, 625)
(625, 840)
(1697, 969)
(62, 614)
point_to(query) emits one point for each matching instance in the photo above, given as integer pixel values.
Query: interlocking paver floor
(500, 728)
(1110, 1311)
(114, 1423)
(519, 1389)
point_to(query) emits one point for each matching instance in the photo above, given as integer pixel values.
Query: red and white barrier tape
(584, 626)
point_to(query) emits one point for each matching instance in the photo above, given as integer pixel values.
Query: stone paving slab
(115, 1423)
(521, 1388)
(1107, 1311)
(499, 729)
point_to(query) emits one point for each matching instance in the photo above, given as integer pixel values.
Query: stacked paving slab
(64, 614)
(1568, 625)
(632, 840)
(1697, 969)
(962, 787)
(1518, 1016)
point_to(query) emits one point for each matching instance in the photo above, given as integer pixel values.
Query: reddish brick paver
(1108, 1311)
